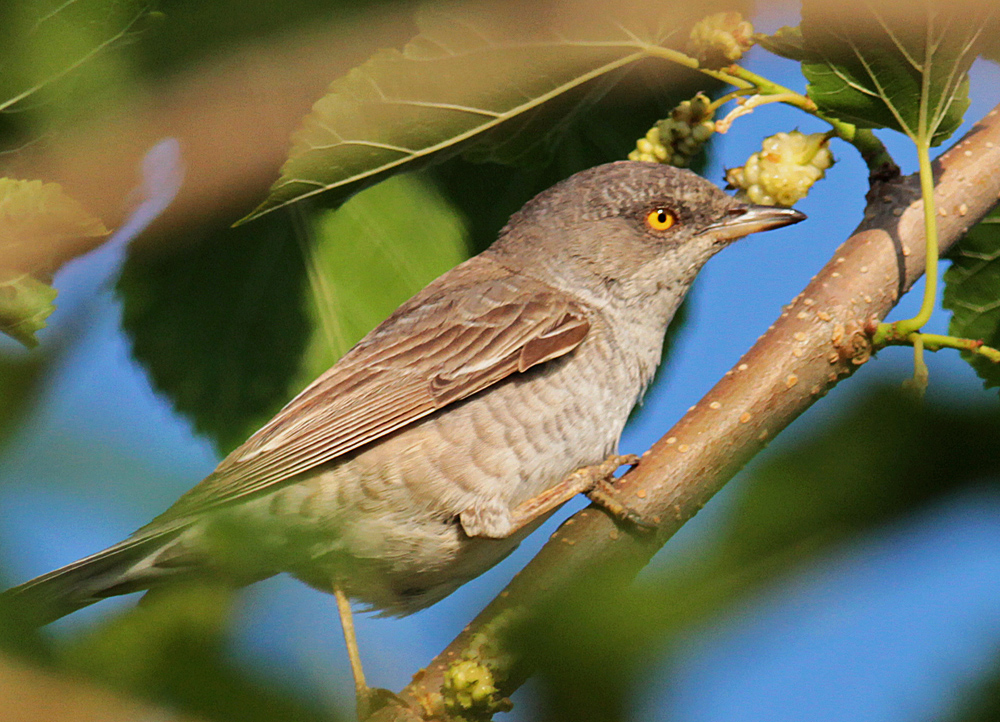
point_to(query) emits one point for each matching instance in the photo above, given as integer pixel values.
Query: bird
(431, 449)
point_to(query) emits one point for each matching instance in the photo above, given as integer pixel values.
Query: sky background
(889, 628)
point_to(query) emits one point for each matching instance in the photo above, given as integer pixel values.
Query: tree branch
(821, 337)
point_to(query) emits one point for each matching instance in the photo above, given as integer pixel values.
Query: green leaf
(19, 379)
(231, 326)
(45, 42)
(972, 292)
(40, 228)
(881, 63)
(219, 323)
(980, 700)
(786, 42)
(25, 303)
(470, 77)
(990, 47)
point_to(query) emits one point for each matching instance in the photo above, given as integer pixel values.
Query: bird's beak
(744, 220)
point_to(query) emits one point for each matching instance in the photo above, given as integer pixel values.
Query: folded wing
(468, 330)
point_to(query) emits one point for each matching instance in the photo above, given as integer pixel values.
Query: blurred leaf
(786, 42)
(972, 292)
(232, 326)
(189, 31)
(47, 41)
(172, 649)
(25, 303)
(990, 47)
(18, 636)
(40, 228)
(882, 63)
(981, 701)
(883, 459)
(471, 76)
(220, 324)
(18, 381)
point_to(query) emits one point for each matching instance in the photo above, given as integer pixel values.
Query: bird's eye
(660, 219)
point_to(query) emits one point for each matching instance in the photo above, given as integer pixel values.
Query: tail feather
(121, 569)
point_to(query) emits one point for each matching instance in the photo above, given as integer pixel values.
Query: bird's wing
(463, 333)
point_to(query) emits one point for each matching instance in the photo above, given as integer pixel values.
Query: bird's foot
(606, 495)
(496, 522)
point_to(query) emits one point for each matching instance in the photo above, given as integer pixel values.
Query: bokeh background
(852, 571)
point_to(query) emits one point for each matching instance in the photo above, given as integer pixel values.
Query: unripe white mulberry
(784, 170)
(677, 139)
(720, 40)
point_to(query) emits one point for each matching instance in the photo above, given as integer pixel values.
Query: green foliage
(189, 31)
(61, 52)
(439, 96)
(18, 383)
(882, 460)
(971, 288)
(219, 323)
(172, 650)
(40, 228)
(236, 322)
(786, 42)
(981, 701)
(887, 64)
(25, 303)
(489, 193)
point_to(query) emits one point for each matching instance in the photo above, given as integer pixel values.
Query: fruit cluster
(676, 139)
(784, 170)
(720, 40)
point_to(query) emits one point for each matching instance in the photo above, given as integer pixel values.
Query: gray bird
(433, 447)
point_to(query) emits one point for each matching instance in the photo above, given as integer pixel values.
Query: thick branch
(822, 336)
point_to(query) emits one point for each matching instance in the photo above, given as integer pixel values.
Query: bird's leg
(362, 691)
(590, 480)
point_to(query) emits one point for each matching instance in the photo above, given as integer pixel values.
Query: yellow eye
(660, 219)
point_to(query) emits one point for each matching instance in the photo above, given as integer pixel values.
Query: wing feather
(470, 329)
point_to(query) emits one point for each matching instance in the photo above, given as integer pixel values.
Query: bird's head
(631, 229)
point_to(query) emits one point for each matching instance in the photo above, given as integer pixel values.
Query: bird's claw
(606, 495)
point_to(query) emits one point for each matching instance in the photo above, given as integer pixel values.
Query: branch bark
(820, 338)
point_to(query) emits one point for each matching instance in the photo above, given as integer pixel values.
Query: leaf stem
(934, 342)
(921, 375)
(768, 87)
(907, 326)
(722, 100)
(748, 106)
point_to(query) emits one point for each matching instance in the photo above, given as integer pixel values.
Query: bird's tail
(130, 566)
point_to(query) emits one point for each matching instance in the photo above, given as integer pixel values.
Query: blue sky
(887, 629)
